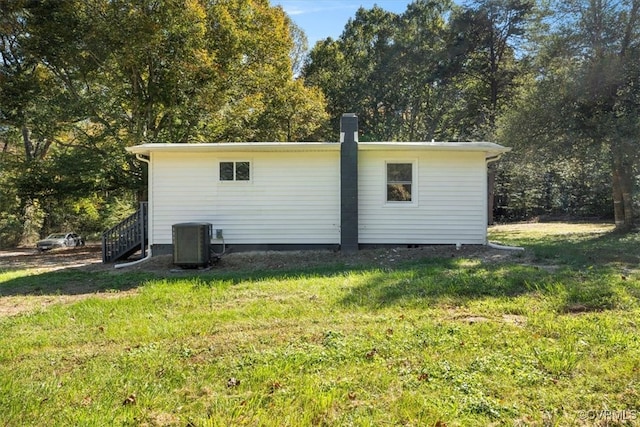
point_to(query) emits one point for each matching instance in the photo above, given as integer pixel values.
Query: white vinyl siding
(291, 197)
(449, 199)
(293, 193)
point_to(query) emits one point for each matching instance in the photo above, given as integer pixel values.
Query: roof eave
(146, 149)
(489, 148)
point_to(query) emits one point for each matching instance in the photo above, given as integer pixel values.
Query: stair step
(126, 238)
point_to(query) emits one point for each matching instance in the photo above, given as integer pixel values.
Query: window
(399, 182)
(234, 171)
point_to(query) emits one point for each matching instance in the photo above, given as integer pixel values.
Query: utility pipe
(504, 247)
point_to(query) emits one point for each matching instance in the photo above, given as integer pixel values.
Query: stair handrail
(127, 234)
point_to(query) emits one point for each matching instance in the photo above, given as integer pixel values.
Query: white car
(60, 240)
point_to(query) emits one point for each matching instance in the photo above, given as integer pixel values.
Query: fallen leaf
(130, 400)
(274, 386)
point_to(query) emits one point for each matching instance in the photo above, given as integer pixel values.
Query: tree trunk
(491, 179)
(618, 206)
(626, 183)
(28, 145)
(622, 191)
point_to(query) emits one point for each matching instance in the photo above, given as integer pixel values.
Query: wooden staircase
(126, 238)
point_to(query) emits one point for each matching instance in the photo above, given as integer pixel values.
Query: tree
(32, 114)
(435, 71)
(587, 93)
(380, 68)
(368, 44)
(606, 90)
(425, 89)
(254, 42)
(77, 92)
(28, 99)
(488, 35)
(299, 49)
(327, 69)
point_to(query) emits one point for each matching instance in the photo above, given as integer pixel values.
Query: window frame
(235, 163)
(414, 183)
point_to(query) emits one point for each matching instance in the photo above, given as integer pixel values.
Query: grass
(547, 339)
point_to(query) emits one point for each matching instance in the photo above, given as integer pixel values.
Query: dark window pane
(226, 171)
(399, 172)
(399, 179)
(398, 192)
(242, 171)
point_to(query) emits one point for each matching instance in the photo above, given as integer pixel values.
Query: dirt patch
(89, 258)
(55, 259)
(13, 305)
(309, 259)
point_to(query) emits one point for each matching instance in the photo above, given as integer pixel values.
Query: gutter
(492, 159)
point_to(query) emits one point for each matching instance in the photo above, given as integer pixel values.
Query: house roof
(491, 149)
(146, 149)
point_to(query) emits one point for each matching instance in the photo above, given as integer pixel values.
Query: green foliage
(582, 105)
(537, 184)
(74, 93)
(10, 224)
(10, 230)
(435, 71)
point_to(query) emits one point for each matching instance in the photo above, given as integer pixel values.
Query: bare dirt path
(56, 259)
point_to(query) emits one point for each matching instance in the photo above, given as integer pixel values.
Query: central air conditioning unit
(191, 244)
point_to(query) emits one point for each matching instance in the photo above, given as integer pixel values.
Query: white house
(308, 195)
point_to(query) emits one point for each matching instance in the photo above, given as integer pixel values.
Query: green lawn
(547, 338)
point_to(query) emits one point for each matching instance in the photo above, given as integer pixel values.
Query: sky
(320, 19)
